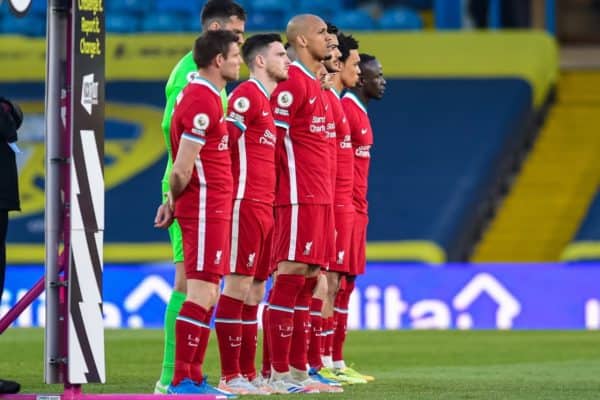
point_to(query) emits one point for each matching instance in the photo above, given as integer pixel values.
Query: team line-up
(268, 182)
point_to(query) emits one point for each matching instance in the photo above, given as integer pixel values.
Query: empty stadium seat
(180, 6)
(272, 6)
(417, 4)
(132, 6)
(164, 22)
(354, 19)
(30, 25)
(323, 8)
(400, 19)
(266, 21)
(122, 23)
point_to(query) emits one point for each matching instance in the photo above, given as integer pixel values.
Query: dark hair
(211, 43)
(221, 10)
(365, 59)
(257, 43)
(346, 43)
(332, 29)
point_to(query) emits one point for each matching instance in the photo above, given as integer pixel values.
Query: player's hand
(164, 216)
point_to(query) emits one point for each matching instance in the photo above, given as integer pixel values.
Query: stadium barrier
(390, 296)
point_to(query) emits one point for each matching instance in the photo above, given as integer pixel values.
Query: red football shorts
(330, 241)
(358, 258)
(251, 227)
(344, 223)
(206, 245)
(302, 234)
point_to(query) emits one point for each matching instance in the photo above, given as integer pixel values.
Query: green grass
(407, 364)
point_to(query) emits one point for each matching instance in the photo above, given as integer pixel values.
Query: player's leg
(247, 237)
(316, 324)
(205, 258)
(173, 307)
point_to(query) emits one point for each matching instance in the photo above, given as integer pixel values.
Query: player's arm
(240, 114)
(183, 165)
(285, 101)
(195, 123)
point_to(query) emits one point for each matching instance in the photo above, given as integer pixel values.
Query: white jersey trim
(356, 101)
(260, 86)
(201, 214)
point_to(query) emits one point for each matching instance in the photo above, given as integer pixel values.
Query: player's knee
(237, 286)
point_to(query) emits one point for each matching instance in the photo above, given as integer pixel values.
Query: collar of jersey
(356, 100)
(304, 69)
(260, 86)
(204, 82)
(337, 94)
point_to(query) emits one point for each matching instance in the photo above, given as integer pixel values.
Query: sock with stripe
(168, 365)
(281, 319)
(266, 356)
(249, 341)
(189, 328)
(228, 325)
(316, 330)
(299, 348)
(196, 367)
(328, 328)
(341, 320)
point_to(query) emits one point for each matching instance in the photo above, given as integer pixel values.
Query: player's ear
(219, 60)
(301, 39)
(260, 60)
(214, 26)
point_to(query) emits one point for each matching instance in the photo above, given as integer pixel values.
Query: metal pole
(551, 17)
(55, 158)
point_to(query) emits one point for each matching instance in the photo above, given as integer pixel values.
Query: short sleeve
(197, 117)
(286, 100)
(242, 109)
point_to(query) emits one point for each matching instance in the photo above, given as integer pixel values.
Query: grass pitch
(407, 364)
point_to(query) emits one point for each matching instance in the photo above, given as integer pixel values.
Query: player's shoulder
(181, 74)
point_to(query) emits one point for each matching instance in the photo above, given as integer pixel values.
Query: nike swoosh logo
(363, 131)
(312, 100)
(283, 335)
(235, 344)
(192, 344)
(265, 113)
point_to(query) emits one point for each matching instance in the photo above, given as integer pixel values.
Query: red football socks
(341, 320)
(316, 329)
(249, 340)
(228, 325)
(281, 318)
(300, 337)
(189, 330)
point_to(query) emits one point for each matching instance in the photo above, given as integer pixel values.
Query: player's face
(230, 69)
(324, 77)
(350, 72)
(318, 40)
(277, 62)
(332, 62)
(373, 80)
(236, 26)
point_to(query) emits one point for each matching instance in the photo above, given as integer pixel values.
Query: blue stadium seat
(354, 19)
(266, 21)
(30, 25)
(132, 6)
(418, 4)
(122, 23)
(281, 6)
(164, 22)
(400, 19)
(180, 6)
(324, 8)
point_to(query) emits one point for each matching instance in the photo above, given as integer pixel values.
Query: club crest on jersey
(251, 258)
(241, 104)
(218, 256)
(285, 99)
(307, 248)
(201, 121)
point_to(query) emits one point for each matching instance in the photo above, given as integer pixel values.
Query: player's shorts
(298, 234)
(330, 241)
(206, 248)
(344, 224)
(251, 227)
(358, 257)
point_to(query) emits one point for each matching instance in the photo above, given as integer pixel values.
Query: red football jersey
(198, 116)
(252, 135)
(362, 140)
(344, 180)
(330, 129)
(302, 151)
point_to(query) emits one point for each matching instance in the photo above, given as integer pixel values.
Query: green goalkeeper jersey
(179, 78)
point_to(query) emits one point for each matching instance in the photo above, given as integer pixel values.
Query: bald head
(303, 25)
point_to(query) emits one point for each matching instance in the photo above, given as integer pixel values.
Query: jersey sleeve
(241, 112)
(285, 102)
(197, 118)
